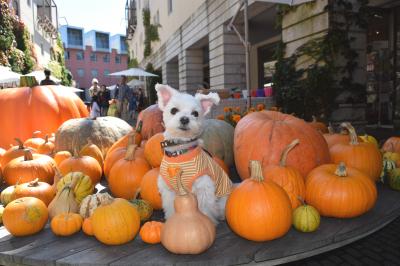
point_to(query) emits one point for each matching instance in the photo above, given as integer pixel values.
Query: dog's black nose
(184, 120)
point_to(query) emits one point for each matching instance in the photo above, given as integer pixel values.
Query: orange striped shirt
(194, 164)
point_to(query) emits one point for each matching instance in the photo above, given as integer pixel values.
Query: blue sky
(102, 15)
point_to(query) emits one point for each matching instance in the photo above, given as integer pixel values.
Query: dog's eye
(195, 113)
(174, 111)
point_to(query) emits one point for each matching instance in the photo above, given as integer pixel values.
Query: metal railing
(47, 17)
(131, 18)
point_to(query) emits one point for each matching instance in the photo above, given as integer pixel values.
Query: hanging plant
(150, 32)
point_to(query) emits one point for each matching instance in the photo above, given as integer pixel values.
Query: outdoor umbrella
(135, 82)
(133, 72)
(245, 40)
(39, 75)
(8, 76)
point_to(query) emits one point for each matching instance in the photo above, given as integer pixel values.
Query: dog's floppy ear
(164, 94)
(207, 101)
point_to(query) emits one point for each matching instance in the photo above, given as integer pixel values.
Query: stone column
(170, 74)
(190, 70)
(227, 59)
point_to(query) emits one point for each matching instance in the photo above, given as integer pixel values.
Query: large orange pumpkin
(287, 177)
(152, 120)
(392, 144)
(259, 209)
(153, 151)
(25, 216)
(42, 108)
(14, 152)
(126, 175)
(263, 135)
(29, 167)
(85, 164)
(149, 189)
(360, 155)
(337, 191)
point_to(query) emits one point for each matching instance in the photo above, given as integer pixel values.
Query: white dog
(183, 117)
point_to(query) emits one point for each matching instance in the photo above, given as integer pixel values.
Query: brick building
(93, 54)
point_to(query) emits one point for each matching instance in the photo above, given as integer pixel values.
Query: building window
(124, 47)
(74, 37)
(106, 58)
(157, 18)
(81, 72)
(170, 7)
(66, 55)
(95, 73)
(118, 59)
(28, 2)
(93, 57)
(102, 41)
(41, 48)
(106, 72)
(80, 56)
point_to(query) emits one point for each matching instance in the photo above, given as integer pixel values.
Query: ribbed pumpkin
(287, 177)
(151, 232)
(306, 218)
(131, 138)
(46, 147)
(360, 155)
(60, 156)
(36, 189)
(319, 126)
(91, 149)
(66, 224)
(29, 167)
(24, 110)
(91, 202)
(153, 151)
(115, 223)
(263, 135)
(259, 209)
(84, 185)
(64, 201)
(126, 175)
(85, 164)
(143, 207)
(152, 121)
(7, 195)
(217, 139)
(392, 144)
(394, 179)
(337, 191)
(14, 152)
(35, 141)
(149, 189)
(25, 216)
(87, 226)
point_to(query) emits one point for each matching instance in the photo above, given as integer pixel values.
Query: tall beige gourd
(187, 231)
(65, 201)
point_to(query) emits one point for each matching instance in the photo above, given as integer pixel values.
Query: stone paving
(380, 248)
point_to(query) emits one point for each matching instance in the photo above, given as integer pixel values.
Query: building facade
(41, 19)
(93, 54)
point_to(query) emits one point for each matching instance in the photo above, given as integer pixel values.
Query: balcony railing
(131, 18)
(47, 17)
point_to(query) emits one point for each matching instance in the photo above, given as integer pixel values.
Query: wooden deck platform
(47, 249)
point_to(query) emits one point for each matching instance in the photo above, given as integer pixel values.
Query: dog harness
(195, 163)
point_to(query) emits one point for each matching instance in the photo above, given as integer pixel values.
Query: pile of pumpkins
(292, 172)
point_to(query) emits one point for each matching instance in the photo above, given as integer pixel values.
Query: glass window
(74, 37)
(102, 41)
(66, 55)
(106, 72)
(124, 47)
(95, 73)
(93, 57)
(41, 48)
(80, 56)
(169, 7)
(106, 58)
(118, 59)
(81, 72)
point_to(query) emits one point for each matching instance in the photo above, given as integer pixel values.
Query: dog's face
(183, 114)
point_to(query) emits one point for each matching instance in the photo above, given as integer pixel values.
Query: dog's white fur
(203, 187)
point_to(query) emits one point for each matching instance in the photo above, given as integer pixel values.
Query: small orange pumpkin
(392, 144)
(36, 189)
(149, 189)
(151, 232)
(14, 152)
(92, 150)
(66, 224)
(46, 147)
(61, 156)
(35, 141)
(131, 138)
(87, 226)
(153, 151)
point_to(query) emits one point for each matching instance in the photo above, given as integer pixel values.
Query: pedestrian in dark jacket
(104, 99)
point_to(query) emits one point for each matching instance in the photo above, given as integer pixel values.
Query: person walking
(47, 80)
(122, 97)
(95, 107)
(94, 90)
(104, 100)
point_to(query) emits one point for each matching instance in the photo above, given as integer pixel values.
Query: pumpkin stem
(341, 170)
(256, 171)
(34, 183)
(28, 155)
(139, 127)
(46, 139)
(286, 151)
(20, 144)
(57, 176)
(352, 132)
(131, 139)
(301, 200)
(137, 193)
(76, 152)
(130, 152)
